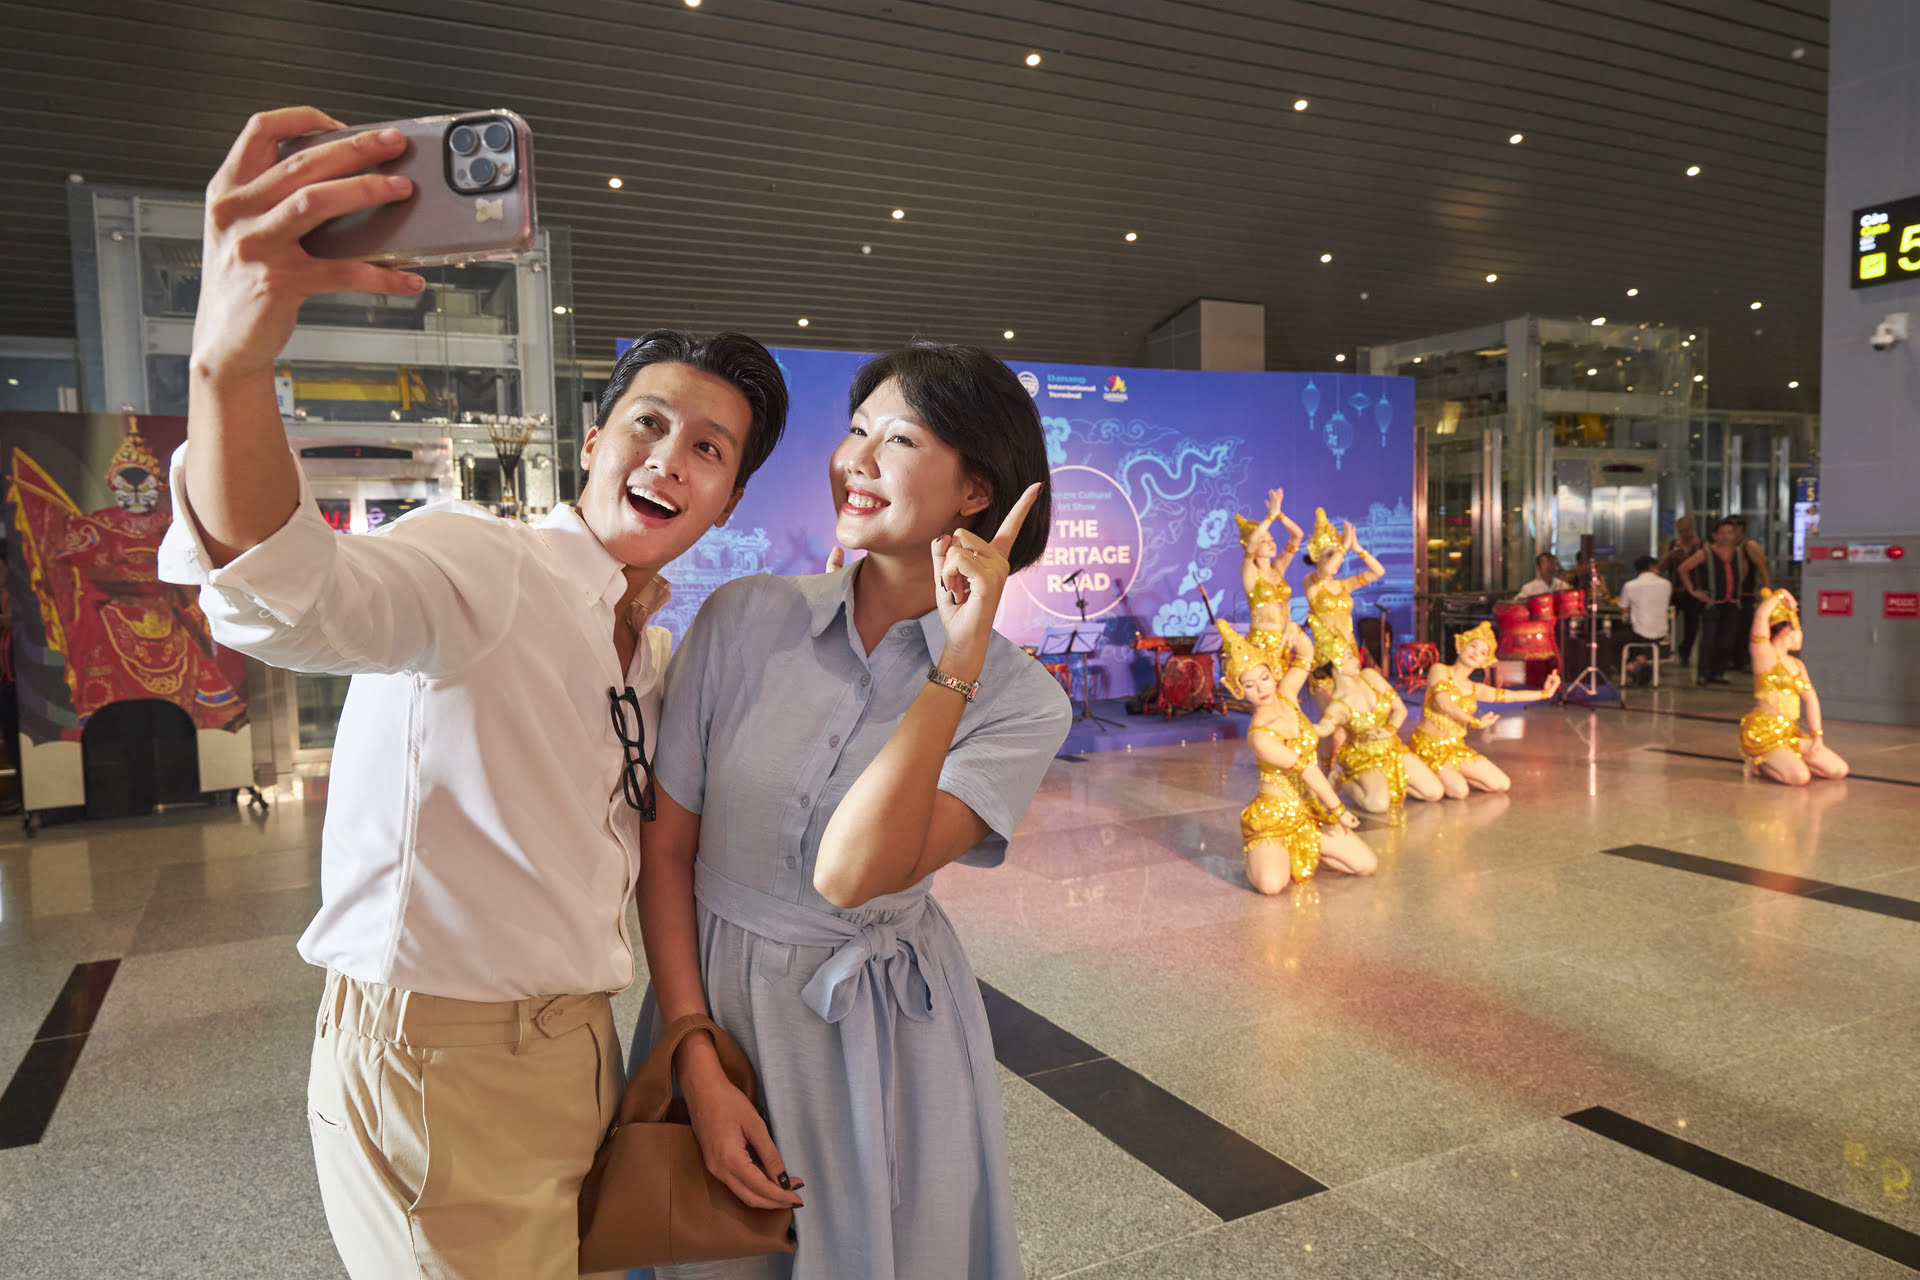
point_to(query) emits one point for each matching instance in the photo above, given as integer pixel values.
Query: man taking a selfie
(482, 837)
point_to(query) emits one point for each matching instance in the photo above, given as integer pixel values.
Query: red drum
(1570, 604)
(1541, 608)
(1529, 640)
(1510, 614)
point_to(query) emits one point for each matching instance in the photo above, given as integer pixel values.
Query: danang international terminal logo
(1116, 391)
(1031, 381)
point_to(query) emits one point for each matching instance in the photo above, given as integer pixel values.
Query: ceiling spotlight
(693, 4)
(899, 214)
(1491, 277)
(1008, 335)
(614, 183)
(1597, 321)
(1690, 337)
(1416, 359)
(14, 382)
(1363, 295)
(1753, 306)
(1591, 372)
(866, 248)
(1340, 358)
(1033, 59)
(1699, 377)
(802, 322)
(1633, 293)
(1797, 54)
(559, 311)
(1516, 139)
(1793, 386)
(1132, 236)
(1326, 257)
(1299, 104)
(1693, 171)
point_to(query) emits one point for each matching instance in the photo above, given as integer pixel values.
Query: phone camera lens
(463, 140)
(481, 171)
(498, 136)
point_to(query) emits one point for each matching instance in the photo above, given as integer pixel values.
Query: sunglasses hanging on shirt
(625, 709)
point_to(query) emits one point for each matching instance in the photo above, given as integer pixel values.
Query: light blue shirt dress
(866, 1027)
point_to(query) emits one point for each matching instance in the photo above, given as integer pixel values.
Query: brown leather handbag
(649, 1200)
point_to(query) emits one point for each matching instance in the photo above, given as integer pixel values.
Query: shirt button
(834, 741)
(805, 800)
(791, 861)
(864, 680)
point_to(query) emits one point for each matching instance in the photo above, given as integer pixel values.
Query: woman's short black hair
(732, 357)
(975, 405)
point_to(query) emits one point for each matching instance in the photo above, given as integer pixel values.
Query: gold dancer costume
(1264, 594)
(1774, 721)
(1441, 740)
(1372, 744)
(1330, 607)
(1284, 810)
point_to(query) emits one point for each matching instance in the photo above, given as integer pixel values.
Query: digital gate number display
(1888, 247)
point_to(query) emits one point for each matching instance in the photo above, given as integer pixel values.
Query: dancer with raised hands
(1330, 597)
(1452, 706)
(1770, 735)
(1263, 572)
(827, 744)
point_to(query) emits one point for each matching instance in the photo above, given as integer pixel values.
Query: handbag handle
(651, 1091)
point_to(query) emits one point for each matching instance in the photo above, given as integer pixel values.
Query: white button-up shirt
(1646, 599)
(477, 841)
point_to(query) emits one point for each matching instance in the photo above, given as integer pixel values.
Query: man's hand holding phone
(254, 272)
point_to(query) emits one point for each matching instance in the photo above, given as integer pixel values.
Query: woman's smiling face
(896, 485)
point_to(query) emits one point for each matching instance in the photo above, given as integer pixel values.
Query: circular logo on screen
(1093, 549)
(1031, 381)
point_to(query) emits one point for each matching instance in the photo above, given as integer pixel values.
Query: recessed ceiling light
(1008, 334)
(693, 4)
(1633, 293)
(14, 382)
(614, 183)
(1491, 277)
(802, 322)
(1798, 53)
(1693, 171)
(1416, 359)
(1132, 236)
(1033, 59)
(1516, 139)
(899, 214)
(559, 311)
(1753, 306)
(1299, 104)
(1691, 337)
(1326, 257)
(1363, 295)
(1699, 377)
(1791, 386)
(1597, 321)
(1591, 372)
(1340, 358)
(866, 248)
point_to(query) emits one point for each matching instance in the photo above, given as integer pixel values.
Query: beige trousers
(451, 1136)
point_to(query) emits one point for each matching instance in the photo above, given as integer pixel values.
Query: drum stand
(1589, 681)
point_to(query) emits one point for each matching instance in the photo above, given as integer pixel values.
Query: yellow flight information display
(1887, 247)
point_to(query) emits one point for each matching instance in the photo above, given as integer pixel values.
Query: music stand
(1072, 642)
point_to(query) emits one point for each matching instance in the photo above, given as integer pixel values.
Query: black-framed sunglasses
(633, 739)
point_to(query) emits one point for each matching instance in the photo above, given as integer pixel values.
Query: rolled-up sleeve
(996, 766)
(430, 593)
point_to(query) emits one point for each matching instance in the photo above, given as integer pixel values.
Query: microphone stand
(1588, 681)
(1086, 677)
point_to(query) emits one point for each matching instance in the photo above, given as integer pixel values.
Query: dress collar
(828, 594)
(598, 571)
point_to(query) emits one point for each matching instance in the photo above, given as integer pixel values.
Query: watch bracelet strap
(966, 689)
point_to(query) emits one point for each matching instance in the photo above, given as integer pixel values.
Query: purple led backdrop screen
(1149, 466)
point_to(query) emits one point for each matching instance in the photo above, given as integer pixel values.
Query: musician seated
(1546, 577)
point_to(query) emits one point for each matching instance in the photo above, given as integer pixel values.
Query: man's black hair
(1644, 563)
(975, 405)
(732, 357)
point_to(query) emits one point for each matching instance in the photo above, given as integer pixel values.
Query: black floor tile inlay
(1884, 904)
(27, 1106)
(1741, 760)
(1230, 1175)
(1830, 1216)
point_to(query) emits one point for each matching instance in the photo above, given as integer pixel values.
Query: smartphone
(472, 194)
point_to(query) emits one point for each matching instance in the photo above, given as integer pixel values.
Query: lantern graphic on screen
(1339, 437)
(1383, 414)
(1310, 398)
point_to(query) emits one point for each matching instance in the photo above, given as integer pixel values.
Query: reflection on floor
(1385, 1067)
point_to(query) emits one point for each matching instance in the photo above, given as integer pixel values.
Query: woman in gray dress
(827, 744)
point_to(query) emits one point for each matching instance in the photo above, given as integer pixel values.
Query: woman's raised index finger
(1010, 527)
(257, 149)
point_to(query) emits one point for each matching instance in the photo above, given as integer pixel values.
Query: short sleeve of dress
(687, 706)
(996, 765)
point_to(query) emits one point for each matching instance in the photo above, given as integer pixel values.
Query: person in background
(1546, 577)
(1727, 570)
(1644, 600)
(1759, 581)
(1685, 542)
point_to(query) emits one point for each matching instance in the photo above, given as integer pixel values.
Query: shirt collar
(827, 594)
(598, 571)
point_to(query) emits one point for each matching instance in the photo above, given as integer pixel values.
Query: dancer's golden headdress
(1482, 633)
(1325, 537)
(1779, 609)
(133, 452)
(1246, 528)
(1242, 655)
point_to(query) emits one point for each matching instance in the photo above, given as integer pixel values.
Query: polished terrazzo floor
(1411, 1043)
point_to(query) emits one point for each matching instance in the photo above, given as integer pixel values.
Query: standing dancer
(1450, 709)
(1263, 574)
(1770, 736)
(827, 744)
(1379, 770)
(1296, 822)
